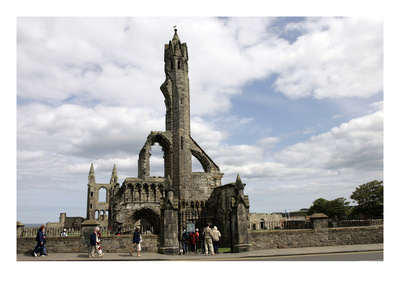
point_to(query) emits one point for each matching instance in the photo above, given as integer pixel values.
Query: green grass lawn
(224, 250)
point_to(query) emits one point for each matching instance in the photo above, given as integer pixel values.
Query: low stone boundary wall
(264, 239)
(75, 244)
(316, 238)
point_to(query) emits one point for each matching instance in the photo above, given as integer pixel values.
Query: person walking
(64, 233)
(44, 250)
(41, 242)
(137, 240)
(208, 245)
(98, 247)
(93, 243)
(216, 236)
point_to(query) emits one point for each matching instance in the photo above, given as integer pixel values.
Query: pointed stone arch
(145, 213)
(203, 160)
(164, 140)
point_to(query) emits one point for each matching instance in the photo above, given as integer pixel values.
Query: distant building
(66, 222)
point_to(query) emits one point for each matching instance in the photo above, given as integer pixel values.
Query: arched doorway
(147, 219)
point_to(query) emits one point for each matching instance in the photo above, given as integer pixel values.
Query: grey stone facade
(165, 202)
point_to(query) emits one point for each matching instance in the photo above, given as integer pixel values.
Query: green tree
(319, 206)
(369, 197)
(338, 208)
(335, 209)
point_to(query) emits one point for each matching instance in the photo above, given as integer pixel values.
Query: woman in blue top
(137, 239)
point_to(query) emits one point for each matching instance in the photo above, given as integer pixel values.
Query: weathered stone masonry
(162, 201)
(266, 239)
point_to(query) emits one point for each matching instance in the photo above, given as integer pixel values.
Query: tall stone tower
(177, 118)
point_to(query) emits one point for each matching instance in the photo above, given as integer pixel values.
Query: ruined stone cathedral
(169, 203)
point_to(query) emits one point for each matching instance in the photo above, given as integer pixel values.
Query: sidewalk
(201, 257)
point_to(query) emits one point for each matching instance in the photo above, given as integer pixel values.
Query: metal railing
(52, 231)
(297, 224)
(286, 224)
(354, 223)
(306, 224)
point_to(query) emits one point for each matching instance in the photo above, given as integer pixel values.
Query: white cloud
(357, 144)
(89, 59)
(328, 165)
(115, 60)
(63, 141)
(268, 142)
(334, 57)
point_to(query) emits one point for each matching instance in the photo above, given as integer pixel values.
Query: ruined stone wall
(75, 244)
(202, 186)
(312, 238)
(73, 222)
(220, 207)
(262, 220)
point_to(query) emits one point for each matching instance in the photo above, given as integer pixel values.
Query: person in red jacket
(194, 239)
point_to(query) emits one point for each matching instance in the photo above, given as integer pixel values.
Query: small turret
(176, 37)
(238, 184)
(114, 175)
(92, 176)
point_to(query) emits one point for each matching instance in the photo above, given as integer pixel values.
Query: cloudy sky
(293, 105)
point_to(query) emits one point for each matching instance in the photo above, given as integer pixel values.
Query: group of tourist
(208, 240)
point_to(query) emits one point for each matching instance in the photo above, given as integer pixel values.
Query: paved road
(310, 253)
(348, 256)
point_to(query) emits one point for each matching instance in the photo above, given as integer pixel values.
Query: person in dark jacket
(137, 239)
(41, 242)
(93, 243)
(185, 240)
